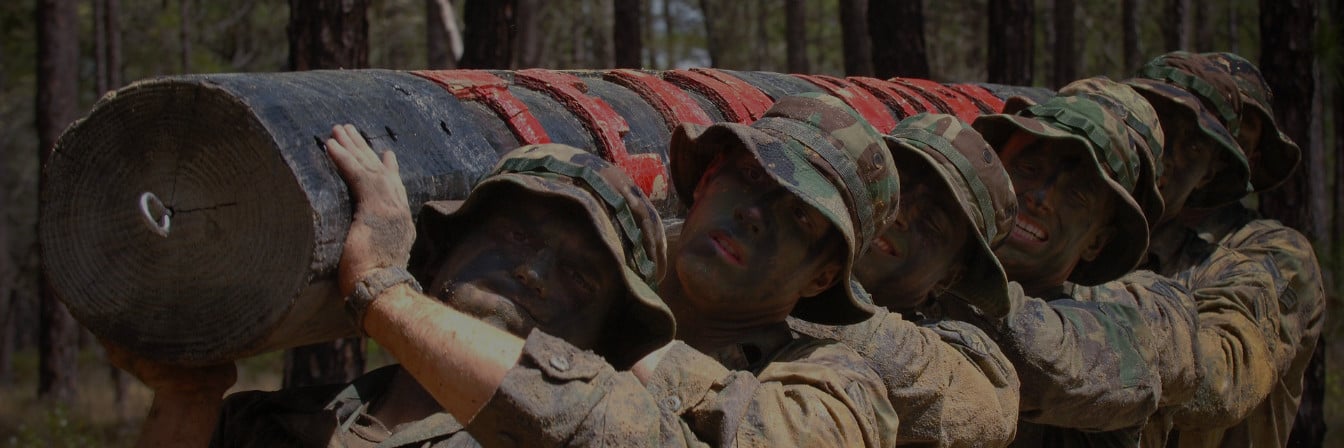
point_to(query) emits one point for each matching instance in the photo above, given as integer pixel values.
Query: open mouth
(727, 247)
(1029, 230)
(886, 247)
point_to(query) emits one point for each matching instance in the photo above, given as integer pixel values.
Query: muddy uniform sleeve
(812, 394)
(950, 385)
(1080, 363)
(558, 395)
(1168, 307)
(1237, 318)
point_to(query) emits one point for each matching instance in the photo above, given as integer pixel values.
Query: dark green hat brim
(693, 148)
(1232, 182)
(644, 326)
(1124, 252)
(1279, 154)
(984, 283)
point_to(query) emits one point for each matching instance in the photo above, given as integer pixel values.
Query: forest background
(59, 56)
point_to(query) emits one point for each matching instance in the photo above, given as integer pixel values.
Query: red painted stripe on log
(757, 101)
(887, 93)
(484, 87)
(674, 104)
(957, 104)
(989, 103)
(921, 102)
(860, 99)
(604, 123)
(723, 96)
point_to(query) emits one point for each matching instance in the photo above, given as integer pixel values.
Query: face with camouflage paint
(922, 248)
(1248, 136)
(1191, 162)
(536, 266)
(751, 247)
(1064, 211)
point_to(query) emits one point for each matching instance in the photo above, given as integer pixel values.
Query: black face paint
(922, 248)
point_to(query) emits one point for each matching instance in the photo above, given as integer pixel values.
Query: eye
(583, 281)
(800, 214)
(753, 174)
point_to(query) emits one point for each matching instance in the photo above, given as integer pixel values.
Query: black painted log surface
(258, 214)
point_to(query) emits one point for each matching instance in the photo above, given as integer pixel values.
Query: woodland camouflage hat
(824, 152)
(620, 213)
(1145, 133)
(1089, 128)
(972, 172)
(1279, 155)
(1177, 108)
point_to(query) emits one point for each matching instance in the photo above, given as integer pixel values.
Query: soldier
(1288, 255)
(580, 261)
(950, 384)
(1087, 378)
(778, 212)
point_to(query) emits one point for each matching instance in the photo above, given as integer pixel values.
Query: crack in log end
(206, 208)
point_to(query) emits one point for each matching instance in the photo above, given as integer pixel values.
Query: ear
(1098, 243)
(825, 278)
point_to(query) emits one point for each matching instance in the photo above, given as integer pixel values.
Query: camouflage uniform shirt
(950, 384)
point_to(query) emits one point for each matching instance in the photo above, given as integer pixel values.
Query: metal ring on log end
(157, 216)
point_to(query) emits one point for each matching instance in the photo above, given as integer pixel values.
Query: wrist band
(368, 289)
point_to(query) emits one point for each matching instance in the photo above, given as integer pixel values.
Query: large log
(197, 219)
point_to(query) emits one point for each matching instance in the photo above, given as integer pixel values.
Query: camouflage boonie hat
(1175, 105)
(1145, 133)
(1089, 128)
(972, 172)
(620, 213)
(1279, 155)
(825, 153)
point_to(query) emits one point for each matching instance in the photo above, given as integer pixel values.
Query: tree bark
(1287, 60)
(443, 43)
(795, 28)
(1177, 35)
(712, 44)
(528, 42)
(627, 33)
(1129, 22)
(762, 34)
(488, 40)
(57, 97)
(897, 32)
(1066, 55)
(857, 48)
(327, 34)
(184, 34)
(1011, 42)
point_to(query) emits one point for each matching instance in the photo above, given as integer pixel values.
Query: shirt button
(560, 363)
(672, 403)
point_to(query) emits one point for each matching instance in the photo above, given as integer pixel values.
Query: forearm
(458, 359)
(181, 419)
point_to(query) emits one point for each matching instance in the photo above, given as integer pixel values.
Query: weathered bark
(443, 43)
(1066, 44)
(327, 34)
(854, 40)
(1287, 60)
(57, 96)
(1011, 42)
(1177, 34)
(1129, 22)
(795, 30)
(897, 32)
(627, 33)
(529, 41)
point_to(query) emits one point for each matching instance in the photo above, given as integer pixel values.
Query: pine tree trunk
(1129, 22)
(712, 44)
(1066, 55)
(184, 34)
(897, 32)
(438, 37)
(795, 30)
(1287, 60)
(670, 29)
(57, 100)
(528, 47)
(327, 34)
(1177, 35)
(858, 49)
(627, 33)
(1011, 42)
